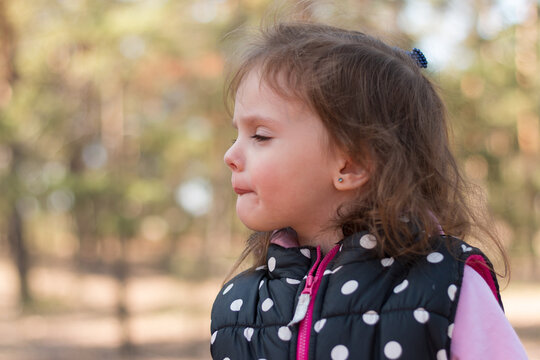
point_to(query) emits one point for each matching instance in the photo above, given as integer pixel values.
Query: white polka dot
(339, 352)
(399, 288)
(392, 350)
(284, 333)
(236, 305)
(327, 272)
(272, 263)
(341, 247)
(370, 317)
(306, 253)
(248, 333)
(404, 219)
(349, 287)
(337, 269)
(292, 281)
(465, 248)
(368, 241)
(261, 283)
(435, 257)
(262, 267)
(213, 338)
(226, 358)
(267, 304)
(387, 261)
(229, 287)
(441, 355)
(450, 330)
(421, 315)
(452, 292)
(319, 325)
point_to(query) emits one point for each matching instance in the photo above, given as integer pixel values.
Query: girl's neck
(325, 239)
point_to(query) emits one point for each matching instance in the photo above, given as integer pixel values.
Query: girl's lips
(241, 191)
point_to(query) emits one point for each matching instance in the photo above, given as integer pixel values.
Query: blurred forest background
(117, 219)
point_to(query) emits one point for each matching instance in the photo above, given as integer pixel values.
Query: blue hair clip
(417, 55)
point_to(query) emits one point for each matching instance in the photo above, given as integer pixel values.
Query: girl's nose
(232, 158)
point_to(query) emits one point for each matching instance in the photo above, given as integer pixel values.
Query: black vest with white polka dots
(365, 307)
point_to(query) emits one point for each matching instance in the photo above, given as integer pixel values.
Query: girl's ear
(351, 175)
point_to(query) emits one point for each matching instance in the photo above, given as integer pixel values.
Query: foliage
(112, 105)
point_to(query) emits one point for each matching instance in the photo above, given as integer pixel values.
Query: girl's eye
(260, 137)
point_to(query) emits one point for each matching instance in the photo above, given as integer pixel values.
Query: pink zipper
(311, 288)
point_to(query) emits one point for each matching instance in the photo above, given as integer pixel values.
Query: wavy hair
(378, 106)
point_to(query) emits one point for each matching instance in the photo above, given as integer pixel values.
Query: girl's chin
(254, 224)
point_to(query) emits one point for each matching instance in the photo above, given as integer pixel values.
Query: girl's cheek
(260, 172)
(270, 177)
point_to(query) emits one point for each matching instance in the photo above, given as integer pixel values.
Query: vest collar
(285, 258)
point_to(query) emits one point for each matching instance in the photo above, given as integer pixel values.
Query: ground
(75, 316)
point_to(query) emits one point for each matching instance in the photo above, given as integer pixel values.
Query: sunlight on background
(441, 34)
(195, 196)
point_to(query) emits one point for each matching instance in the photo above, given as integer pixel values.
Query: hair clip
(419, 57)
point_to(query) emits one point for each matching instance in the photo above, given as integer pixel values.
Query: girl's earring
(340, 180)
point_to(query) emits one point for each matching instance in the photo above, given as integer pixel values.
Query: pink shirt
(481, 330)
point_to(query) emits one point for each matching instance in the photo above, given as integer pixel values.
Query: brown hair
(377, 105)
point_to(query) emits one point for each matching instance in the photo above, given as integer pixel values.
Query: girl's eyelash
(256, 137)
(260, 137)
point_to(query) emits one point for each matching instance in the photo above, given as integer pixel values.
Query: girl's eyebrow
(250, 119)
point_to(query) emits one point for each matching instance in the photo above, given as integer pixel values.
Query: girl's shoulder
(463, 255)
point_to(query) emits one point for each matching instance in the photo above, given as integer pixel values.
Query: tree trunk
(19, 253)
(15, 233)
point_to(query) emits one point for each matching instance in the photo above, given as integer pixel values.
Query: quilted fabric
(366, 307)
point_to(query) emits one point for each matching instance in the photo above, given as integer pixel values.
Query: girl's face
(283, 169)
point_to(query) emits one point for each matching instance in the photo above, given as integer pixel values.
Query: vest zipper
(304, 310)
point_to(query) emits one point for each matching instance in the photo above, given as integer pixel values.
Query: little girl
(342, 167)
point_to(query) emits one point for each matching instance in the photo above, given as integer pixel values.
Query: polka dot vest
(365, 307)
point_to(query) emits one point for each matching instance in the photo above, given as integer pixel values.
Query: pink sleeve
(481, 330)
